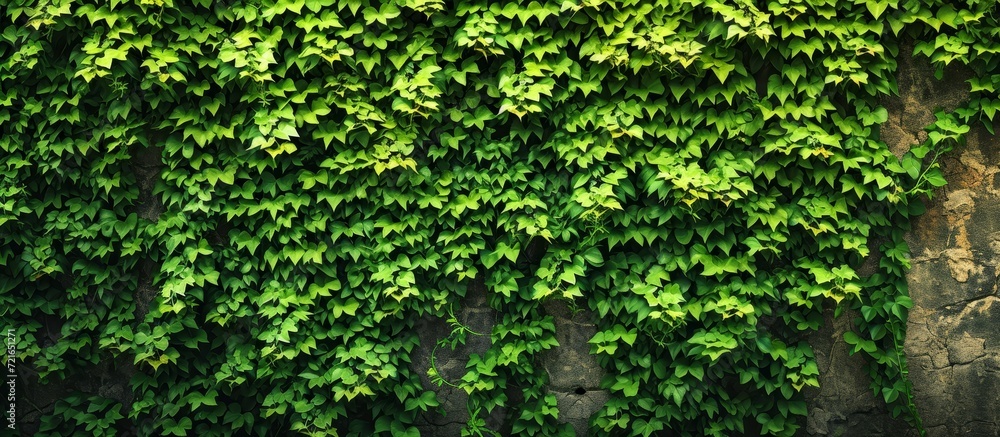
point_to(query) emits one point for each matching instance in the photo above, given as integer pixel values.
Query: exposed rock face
(475, 313)
(574, 374)
(844, 404)
(952, 342)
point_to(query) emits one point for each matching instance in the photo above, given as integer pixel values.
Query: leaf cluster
(705, 177)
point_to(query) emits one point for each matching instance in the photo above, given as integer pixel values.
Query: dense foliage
(705, 176)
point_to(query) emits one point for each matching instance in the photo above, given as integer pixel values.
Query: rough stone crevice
(573, 372)
(147, 164)
(963, 304)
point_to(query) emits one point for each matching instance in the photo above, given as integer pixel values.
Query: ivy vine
(705, 176)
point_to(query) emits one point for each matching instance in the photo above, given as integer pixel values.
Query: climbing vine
(706, 177)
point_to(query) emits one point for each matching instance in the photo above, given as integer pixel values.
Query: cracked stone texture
(952, 347)
(475, 313)
(952, 344)
(844, 405)
(574, 374)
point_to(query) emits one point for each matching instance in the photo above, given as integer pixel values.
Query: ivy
(704, 177)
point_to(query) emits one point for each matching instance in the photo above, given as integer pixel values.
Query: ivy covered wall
(242, 211)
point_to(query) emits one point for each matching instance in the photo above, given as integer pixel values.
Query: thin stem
(904, 373)
(440, 377)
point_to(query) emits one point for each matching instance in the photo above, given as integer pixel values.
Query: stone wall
(844, 404)
(953, 344)
(574, 374)
(953, 338)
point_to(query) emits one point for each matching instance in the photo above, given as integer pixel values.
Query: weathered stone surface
(951, 340)
(574, 374)
(954, 322)
(920, 95)
(577, 406)
(570, 365)
(952, 344)
(475, 313)
(844, 405)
